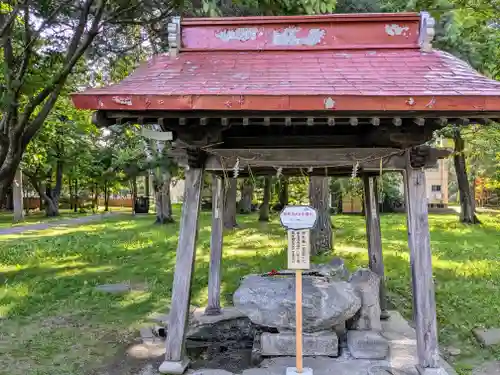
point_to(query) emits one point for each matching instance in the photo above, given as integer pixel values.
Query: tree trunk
(163, 200)
(467, 212)
(230, 203)
(264, 207)
(71, 198)
(106, 197)
(321, 234)
(76, 196)
(147, 181)
(246, 197)
(283, 193)
(95, 199)
(17, 196)
(134, 193)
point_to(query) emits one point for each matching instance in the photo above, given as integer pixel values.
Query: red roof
(350, 62)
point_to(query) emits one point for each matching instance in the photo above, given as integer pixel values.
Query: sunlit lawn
(52, 321)
(6, 217)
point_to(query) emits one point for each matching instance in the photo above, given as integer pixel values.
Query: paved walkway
(58, 223)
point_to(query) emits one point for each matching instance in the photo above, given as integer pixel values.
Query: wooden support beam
(443, 121)
(420, 121)
(331, 121)
(310, 121)
(288, 121)
(246, 121)
(175, 362)
(353, 121)
(267, 121)
(224, 121)
(397, 121)
(463, 121)
(374, 237)
(424, 304)
(375, 121)
(216, 239)
(203, 121)
(182, 121)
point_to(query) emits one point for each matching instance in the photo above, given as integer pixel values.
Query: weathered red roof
(358, 62)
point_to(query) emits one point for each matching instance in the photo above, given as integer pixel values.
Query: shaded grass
(52, 321)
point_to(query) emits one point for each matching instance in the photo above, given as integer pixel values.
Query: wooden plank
(374, 236)
(298, 320)
(305, 158)
(424, 304)
(216, 240)
(184, 262)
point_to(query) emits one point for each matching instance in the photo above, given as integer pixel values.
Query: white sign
(298, 217)
(299, 249)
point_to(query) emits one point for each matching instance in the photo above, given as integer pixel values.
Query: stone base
(367, 345)
(174, 367)
(323, 343)
(431, 371)
(293, 371)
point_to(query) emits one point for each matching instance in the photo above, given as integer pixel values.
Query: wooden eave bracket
(174, 36)
(427, 31)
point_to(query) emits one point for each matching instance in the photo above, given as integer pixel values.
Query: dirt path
(58, 223)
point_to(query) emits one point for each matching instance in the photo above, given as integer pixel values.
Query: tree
(42, 42)
(246, 196)
(321, 234)
(264, 207)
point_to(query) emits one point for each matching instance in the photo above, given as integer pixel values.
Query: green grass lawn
(6, 217)
(52, 321)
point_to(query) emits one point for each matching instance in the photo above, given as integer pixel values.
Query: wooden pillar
(424, 304)
(17, 196)
(214, 277)
(374, 237)
(175, 360)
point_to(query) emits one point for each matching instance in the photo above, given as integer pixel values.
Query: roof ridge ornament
(174, 36)
(427, 32)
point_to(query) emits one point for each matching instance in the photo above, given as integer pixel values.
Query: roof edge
(335, 17)
(318, 32)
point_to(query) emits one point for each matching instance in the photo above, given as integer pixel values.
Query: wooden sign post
(298, 220)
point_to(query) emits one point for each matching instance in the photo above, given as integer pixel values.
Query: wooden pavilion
(315, 95)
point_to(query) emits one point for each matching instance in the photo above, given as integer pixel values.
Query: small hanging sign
(298, 217)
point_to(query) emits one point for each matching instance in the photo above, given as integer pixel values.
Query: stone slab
(488, 337)
(114, 288)
(488, 368)
(210, 372)
(367, 345)
(313, 344)
(229, 325)
(227, 313)
(431, 371)
(174, 367)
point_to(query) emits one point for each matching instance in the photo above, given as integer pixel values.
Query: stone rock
(367, 345)
(335, 270)
(487, 337)
(488, 368)
(114, 288)
(386, 370)
(210, 372)
(270, 301)
(313, 344)
(367, 285)
(453, 351)
(229, 325)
